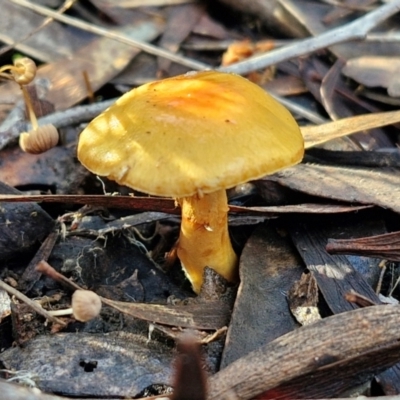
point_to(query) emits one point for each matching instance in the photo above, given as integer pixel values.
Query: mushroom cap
(86, 305)
(194, 133)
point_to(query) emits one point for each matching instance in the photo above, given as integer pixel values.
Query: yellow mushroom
(191, 137)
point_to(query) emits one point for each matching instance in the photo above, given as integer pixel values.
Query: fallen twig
(148, 48)
(355, 30)
(32, 304)
(60, 119)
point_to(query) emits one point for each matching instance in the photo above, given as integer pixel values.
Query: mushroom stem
(61, 313)
(204, 238)
(31, 112)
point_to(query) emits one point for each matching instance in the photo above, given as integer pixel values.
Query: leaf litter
(123, 256)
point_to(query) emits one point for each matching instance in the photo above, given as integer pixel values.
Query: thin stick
(89, 89)
(59, 119)
(67, 4)
(148, 48)
(29, 107)
(32, 304)
(355, 30)
(46, 269)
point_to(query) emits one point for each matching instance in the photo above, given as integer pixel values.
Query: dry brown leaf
(202, 315)
(181, 21)
(102, 59)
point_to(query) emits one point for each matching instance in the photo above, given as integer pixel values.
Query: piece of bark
(335, 274)
(122, 364)
(268, 268)
(22, 226)
(318, 360)
(336, 277)
(324, 133)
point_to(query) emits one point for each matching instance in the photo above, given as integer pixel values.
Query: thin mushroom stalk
(40, 138)
(204, 237)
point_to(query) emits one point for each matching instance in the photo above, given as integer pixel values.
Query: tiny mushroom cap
(191, 137)
(86, 305)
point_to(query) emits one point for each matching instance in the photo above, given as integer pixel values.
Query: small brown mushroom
(23, 71)
(191, 137)
(40, 138)
(86, 305)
